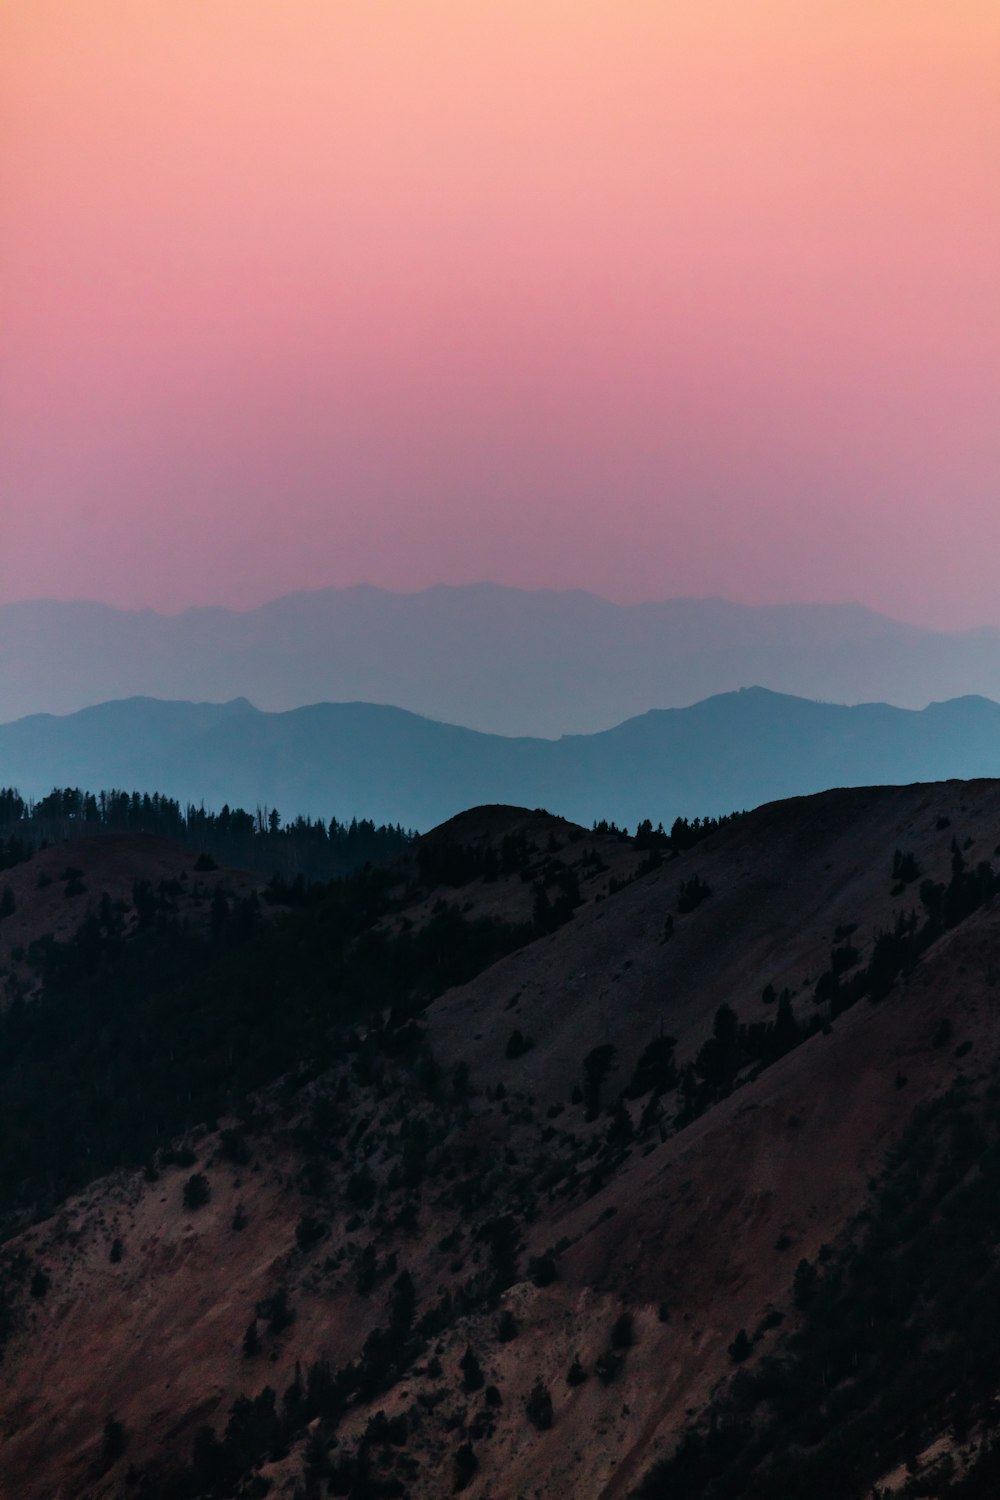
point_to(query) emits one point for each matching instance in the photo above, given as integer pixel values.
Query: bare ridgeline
(528, 1161)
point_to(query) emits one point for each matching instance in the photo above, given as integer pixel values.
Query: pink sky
(643, 296)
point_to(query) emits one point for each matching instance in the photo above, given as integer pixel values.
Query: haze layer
(646, 298)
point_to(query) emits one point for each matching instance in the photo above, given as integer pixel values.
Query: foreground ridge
(540, 1161)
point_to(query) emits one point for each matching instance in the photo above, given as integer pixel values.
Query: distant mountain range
(505, 661)
(734, 750)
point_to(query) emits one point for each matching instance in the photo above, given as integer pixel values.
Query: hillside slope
(56, 892)
(503, 1234)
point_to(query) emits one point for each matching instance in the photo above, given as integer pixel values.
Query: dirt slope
(696, 1231)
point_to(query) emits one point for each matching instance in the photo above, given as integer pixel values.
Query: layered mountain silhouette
(732, 751)
(501, 660)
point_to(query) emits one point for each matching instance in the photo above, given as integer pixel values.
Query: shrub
(518, 1044)
(692, 893)
(309, 1231)
(177, 1156)
(942, 1033)
(904, 869)
(538, 1406)
(117, 1251)
(507, 1328)
(196, 1192)
(804, 1285)
(466, 1466)
(361, 1189)
(235, 1147)
(741, 1347)
(276, 1310)
(113, 1442)
(404, 1304)
(656, 1069)
(542, 1270)
(623, 1332)
(596, 1066)
(576, 1374)
(365, 1272)
(473, 1378)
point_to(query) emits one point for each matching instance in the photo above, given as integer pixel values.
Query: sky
(649, 297)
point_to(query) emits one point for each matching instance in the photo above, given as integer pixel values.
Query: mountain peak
(539, 662)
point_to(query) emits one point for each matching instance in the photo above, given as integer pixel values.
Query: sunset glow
(643, 296)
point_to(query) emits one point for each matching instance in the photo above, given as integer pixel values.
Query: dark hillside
(544, 1162)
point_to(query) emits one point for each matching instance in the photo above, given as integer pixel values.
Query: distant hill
(736, 750)
(505, 661)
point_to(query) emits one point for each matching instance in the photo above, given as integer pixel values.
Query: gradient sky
(643, 296)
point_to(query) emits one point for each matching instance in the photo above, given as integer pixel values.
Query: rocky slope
(540, 1231)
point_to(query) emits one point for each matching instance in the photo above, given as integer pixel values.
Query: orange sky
(650, 298)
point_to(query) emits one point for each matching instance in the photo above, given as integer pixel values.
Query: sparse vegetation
(623, 1331)
(691, 894)
(893, 1348)
(539, 1406)
(507, 1327)
(370, 1160)
(517, 1045)
(114, 1441)
(196, 1192)
(303, 850)
(466, 1466)
(473, 1378)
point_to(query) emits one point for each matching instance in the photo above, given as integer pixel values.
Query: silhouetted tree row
(258, 840)
(684, 832)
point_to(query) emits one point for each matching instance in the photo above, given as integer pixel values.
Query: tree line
(258, 840)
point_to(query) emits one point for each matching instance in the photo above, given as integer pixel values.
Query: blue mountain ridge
(734, 750)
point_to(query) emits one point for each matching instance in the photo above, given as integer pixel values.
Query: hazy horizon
(267, 599)
(650, 300)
